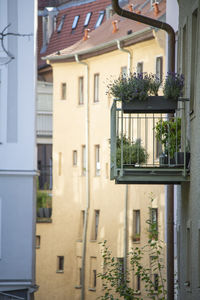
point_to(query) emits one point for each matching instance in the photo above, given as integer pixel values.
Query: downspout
(170, 188)
(87, 180)
(126, 190)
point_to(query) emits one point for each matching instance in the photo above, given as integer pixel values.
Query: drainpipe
(170, 188)
(126, 191)
(87, 181)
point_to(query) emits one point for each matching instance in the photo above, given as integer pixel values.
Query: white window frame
(96, 87)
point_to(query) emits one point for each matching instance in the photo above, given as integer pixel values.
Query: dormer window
(100, 18)
(75, 22)
(87, 19)
(60, 26)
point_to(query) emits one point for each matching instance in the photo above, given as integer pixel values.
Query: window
(80, 91)
(37, 241)
(159, 68)
(124, 72)
(100, 19)
(139, 67)
(155, 282)
(74, 158)
(94, 278)
(154, 222)
(96, 87)
(63, 91)
(75, 22)
(87, 19)
(60, 264)
(60, 26)
(120, 261)
(194, 57)
(97, 160)
(138, 282)
(96, 224)
(83, 160)
(136, 225)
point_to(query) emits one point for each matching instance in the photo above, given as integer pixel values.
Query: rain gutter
(170, 188)
(87, 179)
(91, 50)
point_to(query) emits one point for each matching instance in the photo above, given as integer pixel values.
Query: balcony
(148, 148)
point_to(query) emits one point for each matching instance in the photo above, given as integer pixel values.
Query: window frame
(159, 68)
(83, 160)
(96, 87)
(97, 160)
(60, 264)
(74, 158)
(140, 64)
(87, 19)
(81, 90)
(75, 22)
(63, 91)
(100, 19)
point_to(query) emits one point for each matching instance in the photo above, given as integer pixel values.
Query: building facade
(88, 208)
(17, 149)
(188, 194)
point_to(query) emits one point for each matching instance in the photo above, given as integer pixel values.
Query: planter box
(179, 156)
(154, 104)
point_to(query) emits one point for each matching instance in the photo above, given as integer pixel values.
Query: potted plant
(44, 209)
(168, 133)
(133, 153)
(139, 93)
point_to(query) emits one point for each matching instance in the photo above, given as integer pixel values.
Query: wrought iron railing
(147, 141)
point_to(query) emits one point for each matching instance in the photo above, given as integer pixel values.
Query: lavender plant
(173, 86)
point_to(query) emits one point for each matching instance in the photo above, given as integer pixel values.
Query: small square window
(60, 264)
(63, 91)
(75, 158)
(37, 241)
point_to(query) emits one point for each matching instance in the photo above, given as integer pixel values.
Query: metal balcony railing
(44, 123)
(148, 148)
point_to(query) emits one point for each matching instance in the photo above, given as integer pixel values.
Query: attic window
(60, 26)
(75, 22)
(87, 19)
(100, 18)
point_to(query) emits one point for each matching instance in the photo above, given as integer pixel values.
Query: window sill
(78, 287)
(137, 293)
(60, 271)
(93, 241)
(43, 220)
(136, 242)
(92, 289)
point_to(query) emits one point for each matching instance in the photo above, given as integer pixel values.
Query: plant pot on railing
(165, 161)
(153, 104)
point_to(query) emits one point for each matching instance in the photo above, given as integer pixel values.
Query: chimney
(156, 9)
(115, 26)
(130, 7)
(86, 36)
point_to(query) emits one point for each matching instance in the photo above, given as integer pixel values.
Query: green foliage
(133, 152)
(169, 134)
(173, 86)
(135, 86)
(43, 198)
(116, 280)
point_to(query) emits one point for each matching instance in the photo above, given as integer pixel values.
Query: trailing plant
(169, 134)
(116, 279)
(133, 152)
(173, 86)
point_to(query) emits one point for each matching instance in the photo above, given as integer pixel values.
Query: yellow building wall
(62, 237)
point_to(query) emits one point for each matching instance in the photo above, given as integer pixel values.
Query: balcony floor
(141, 175)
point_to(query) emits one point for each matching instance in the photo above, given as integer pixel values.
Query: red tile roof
(104, 35)
(66, 38)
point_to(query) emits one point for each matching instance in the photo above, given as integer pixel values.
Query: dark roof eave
(125, 42)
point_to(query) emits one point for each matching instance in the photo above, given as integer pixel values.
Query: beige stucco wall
(62, 236)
